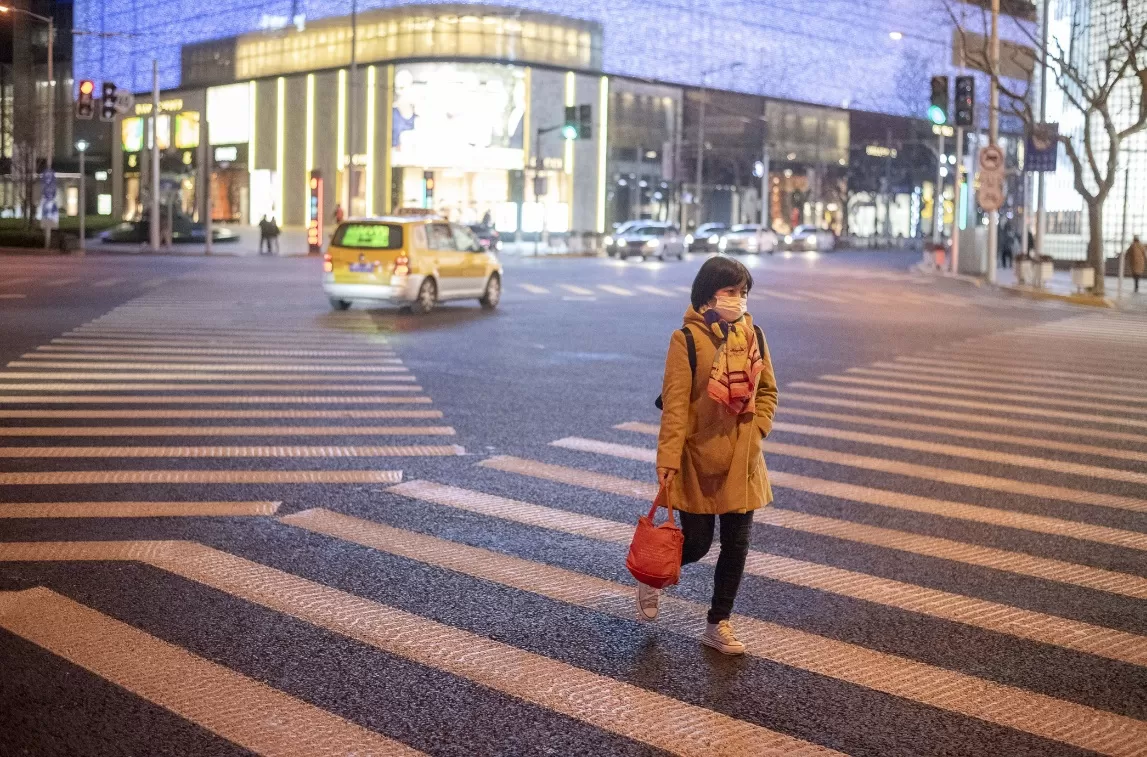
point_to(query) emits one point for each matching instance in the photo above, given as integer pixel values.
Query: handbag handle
(662, 498)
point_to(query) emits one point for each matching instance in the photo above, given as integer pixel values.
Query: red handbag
(655, 552)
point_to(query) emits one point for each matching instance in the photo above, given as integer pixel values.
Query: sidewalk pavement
(292, 243)
(1061, 288)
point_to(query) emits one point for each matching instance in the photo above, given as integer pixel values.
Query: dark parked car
(488, 237)
(705, 237)
(184, 231)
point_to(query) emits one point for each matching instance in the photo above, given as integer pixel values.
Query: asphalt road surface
(233, 521)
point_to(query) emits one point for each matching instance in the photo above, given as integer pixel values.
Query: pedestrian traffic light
(85, 107)
(938, 110)
(965, 101)
(570, 127)
(584, 121)
(108, 103)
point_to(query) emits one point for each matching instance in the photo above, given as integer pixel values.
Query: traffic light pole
(153, 225)
(994, 134)
(938, 192)
(83, 202)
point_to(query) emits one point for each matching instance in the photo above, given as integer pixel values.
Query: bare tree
(1102, 74)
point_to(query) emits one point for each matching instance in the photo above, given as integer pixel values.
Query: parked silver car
(748, 238)
(646, 240)
(810, 238)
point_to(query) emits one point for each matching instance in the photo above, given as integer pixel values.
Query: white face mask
(731, 308)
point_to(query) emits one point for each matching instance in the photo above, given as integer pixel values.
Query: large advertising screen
(467, 116)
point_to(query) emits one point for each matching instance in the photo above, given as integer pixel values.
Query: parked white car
(810, 238)
(748, 238)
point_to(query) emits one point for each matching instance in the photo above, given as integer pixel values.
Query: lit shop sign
(226, 154)
(173, 105)
(315, 212)
(880, 151)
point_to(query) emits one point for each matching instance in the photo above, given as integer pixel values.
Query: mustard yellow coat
(717, 456)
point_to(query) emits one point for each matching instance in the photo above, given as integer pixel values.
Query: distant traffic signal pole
(153, 225)
(938, 115)
(994, 132)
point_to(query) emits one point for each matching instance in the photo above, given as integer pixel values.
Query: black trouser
(1136, 277)
(698, 531)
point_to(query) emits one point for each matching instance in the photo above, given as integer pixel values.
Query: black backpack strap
(760, 338)
(692, 347)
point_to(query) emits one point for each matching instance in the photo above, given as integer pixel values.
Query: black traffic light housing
(938, 109)
(108, 102)
(85, 106)
(584, 121)
(965, 101)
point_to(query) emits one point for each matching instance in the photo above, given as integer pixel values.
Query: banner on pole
(1041, 148)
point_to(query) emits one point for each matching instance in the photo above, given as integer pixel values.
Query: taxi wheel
(427, 297)
(493, 293)
(340, 304)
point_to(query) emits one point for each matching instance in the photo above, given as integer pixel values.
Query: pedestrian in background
(339, 214)
(719, 396)
(273, 232)
(1136, 260)
(264, 236)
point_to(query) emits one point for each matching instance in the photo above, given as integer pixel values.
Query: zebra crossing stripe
(615, 290)
(1015, 380)
(358, 346)
(108, 282)
(135, 509)
(970, 453)
(227, 431)
(886, 498)
(964, 694)
(1015, 409)
(940, 382)
(986, 436)
(938, 388)
(990, 616)
(823, 297)
(1004, 367)
(167, 366)
(655, 290)
(237, 708)
(84, 346)
(55, 478)
(278, 414)
(177, 375)
(620, 708)
(783, 296)
(970, 418)
(228, 360)
(532, 289)
(14, 399)
(284, 451)
(579, 291)
(10, 296)
(120, 386)
(929, 546)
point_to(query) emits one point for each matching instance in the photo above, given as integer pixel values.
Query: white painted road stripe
(135, 509)
(972, 378)
(534, 289)
(656, 290)
(880, 671)
(1005, 368)
(117, 386)
(580, 291)
(177, 375)
(239, 709)
(615, 290)
(283, 451)
(929, 546)
(227, 431)
(621, 708)
(14, 399)
(167, 414)
(119, 348)
(893, 499)
(167, 366)
(991, 616)
(64, 478)
(108, 282)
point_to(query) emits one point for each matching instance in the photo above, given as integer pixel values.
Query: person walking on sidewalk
(1136, 260)
(719, 396)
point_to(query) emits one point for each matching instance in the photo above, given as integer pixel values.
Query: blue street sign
(1041, 147)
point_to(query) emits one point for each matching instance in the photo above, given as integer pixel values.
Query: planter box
(1025, 272)
(1083, 278)
(1046, 271)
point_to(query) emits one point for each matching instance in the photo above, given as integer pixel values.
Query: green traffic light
(569, 131)
(937, 115)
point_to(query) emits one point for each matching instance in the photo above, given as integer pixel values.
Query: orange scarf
(737, 366)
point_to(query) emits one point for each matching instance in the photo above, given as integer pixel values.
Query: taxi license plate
(362, 267)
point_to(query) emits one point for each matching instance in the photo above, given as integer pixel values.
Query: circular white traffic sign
(990, 196)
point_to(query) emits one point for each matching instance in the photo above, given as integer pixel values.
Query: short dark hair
(716, 274)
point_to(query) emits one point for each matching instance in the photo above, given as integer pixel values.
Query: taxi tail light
(401, 265)
(328, 263)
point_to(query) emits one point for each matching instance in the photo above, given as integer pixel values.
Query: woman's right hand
(665, 476)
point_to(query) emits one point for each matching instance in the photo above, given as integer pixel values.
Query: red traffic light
(87, 86)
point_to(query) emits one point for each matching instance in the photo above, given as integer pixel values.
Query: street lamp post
(51, 73)
(701, 133)
(82, 149)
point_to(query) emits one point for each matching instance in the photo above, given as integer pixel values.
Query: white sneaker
(720, 636)
(647, 600)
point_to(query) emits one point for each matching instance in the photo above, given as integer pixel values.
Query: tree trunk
(1095, 254)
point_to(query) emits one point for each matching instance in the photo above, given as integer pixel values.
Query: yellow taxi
(410, 261)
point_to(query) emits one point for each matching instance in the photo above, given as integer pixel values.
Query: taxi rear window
(369, 236)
